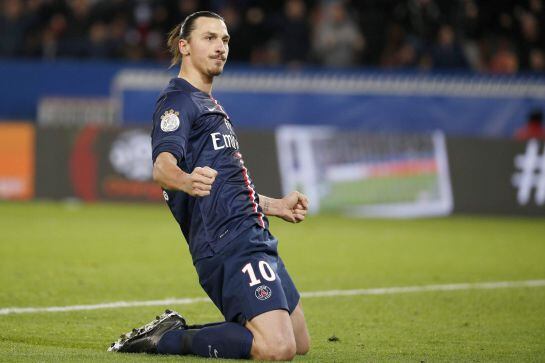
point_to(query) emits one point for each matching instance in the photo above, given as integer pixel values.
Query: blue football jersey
(195, 128)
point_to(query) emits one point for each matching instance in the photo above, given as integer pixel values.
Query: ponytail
(173, 44)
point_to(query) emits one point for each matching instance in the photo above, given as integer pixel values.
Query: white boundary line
(311, 294)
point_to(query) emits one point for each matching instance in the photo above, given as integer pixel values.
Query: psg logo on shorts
(263, 292)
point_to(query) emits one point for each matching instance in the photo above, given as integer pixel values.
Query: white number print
(266, 271)
(248, 268)
(264, 268)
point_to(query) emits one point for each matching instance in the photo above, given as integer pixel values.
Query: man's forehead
(210, 25)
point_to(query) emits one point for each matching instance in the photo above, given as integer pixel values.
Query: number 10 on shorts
(264, 268)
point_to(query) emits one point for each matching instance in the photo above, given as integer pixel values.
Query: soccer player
(208, 189)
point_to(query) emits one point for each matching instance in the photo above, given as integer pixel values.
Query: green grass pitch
(54, 254)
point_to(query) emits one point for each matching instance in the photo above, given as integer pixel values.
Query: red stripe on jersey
(251, 193)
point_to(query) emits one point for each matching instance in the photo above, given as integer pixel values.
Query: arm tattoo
(266, 204)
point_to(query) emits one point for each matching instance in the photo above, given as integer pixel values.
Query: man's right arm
(169, 176)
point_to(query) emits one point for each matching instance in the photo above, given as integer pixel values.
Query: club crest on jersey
(263, 292)
(170, 121)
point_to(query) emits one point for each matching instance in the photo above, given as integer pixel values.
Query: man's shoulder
(175, 96)
(178, 100)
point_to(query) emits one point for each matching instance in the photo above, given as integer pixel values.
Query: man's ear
(184, 47)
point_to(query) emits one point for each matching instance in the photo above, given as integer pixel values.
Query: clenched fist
(199, 182)
(294, 207)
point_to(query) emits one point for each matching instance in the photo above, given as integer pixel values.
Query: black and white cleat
(145, 338)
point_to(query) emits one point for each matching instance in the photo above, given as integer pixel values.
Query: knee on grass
(303, 347)
(278, 349)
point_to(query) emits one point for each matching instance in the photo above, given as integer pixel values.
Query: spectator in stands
(99, 45)
(75, 43)
(498, 37)
(533, 129)
(12, 28)
(258, 35)
(400, 51)
(447, 52)
(504, 60)
(372, 18)
(537, 61)
(295, 33)
(238, 49)
(52, 35)
(117, 31)
(422, 18)
(337, 39)
(530, 38)
(469, 30)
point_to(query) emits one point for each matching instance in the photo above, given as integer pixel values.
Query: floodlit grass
(55, 254)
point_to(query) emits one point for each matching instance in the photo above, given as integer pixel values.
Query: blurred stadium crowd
(492, 36)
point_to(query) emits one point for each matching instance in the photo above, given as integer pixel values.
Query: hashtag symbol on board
(530, 174)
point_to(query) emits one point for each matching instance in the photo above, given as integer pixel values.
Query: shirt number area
(265, 270)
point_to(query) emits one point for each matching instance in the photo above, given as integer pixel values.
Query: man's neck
(197, 80)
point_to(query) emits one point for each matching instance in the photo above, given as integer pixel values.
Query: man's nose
(220, 48)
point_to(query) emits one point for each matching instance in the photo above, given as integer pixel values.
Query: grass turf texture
(58, 254)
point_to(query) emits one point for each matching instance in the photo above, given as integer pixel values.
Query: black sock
(216, 340)
(200, 326)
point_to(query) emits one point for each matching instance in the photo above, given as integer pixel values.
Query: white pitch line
(310, 294)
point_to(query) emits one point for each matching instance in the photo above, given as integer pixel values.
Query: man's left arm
(292, 208)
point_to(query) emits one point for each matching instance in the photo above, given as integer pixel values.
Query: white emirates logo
(530, 174)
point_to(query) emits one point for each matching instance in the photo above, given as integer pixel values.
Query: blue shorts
(248, 278)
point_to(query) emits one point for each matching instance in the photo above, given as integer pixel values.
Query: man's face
(208, 46)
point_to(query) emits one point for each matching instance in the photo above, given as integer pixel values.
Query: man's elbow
(166, 173)
(157, 175)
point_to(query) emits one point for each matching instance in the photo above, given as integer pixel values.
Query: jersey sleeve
(172, 120)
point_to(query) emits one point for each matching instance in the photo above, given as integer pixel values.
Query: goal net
(363, 174)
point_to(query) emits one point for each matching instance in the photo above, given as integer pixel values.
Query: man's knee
(273, 336)
(300, 330)
(303, 346)
(275, 349)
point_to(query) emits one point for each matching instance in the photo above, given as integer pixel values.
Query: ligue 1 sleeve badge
(170, 121)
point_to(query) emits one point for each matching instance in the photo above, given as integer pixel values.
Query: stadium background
(421, 106)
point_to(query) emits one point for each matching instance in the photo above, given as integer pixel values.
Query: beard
(216, 66)
(215, 71)
(209, 68)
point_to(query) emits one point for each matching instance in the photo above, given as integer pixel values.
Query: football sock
(217, 340)
(200, 326)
